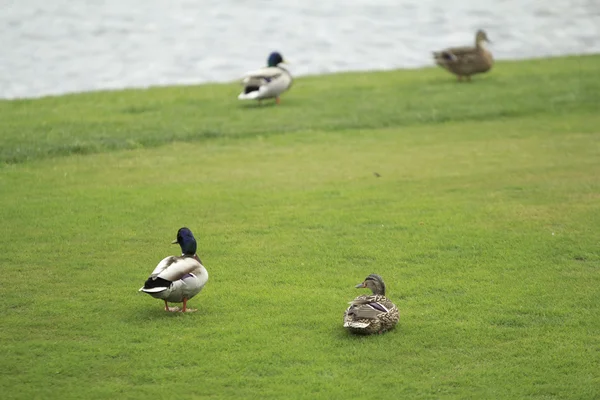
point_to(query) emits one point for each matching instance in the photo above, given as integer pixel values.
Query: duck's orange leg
(185, 309)
(277, 100)
(170, 309)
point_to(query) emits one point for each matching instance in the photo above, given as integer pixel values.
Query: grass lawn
(484, 223)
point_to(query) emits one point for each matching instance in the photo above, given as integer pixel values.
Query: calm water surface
(59, 46)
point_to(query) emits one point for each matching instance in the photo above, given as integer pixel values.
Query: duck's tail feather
(250, 95)
(155, 285)
(153, 290)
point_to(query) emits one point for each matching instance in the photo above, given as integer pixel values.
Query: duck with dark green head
(178, 279)
(373, 313)
(268, 82)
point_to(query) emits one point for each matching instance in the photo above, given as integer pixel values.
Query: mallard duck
(267, 82)
(374, 313)
(466, 61)
(178, 279)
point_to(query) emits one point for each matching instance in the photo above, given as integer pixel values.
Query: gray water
(59, 46)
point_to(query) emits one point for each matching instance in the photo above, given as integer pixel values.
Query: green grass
(484, 224)
(93, 122)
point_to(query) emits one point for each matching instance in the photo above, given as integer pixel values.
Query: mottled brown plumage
(374, 313)
(466, 61)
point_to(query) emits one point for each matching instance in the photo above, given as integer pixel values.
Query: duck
(178, 279)
(466, 61)
(373, 313)
(268, 82)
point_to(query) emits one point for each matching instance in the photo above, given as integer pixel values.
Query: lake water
(60, 46)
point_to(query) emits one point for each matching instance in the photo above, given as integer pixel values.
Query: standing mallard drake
(466, 61)
(178, 279)
(267, 82)
(374, 313)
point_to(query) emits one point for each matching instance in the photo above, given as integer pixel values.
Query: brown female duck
(466, 61)
(374, 313)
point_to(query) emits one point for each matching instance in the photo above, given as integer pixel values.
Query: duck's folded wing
(461, 51)
(369, 306)
(178, 268)
(367, 311)
(454, 53)
(154, 284)
(162, 265)
(260, 76)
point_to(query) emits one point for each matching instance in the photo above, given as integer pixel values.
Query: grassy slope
(484, 223)
(92, 122)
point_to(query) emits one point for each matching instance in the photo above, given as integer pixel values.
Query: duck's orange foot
(170, 309)
(185, 308)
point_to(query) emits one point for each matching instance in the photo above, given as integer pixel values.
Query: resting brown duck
(374, 313)
(466, 61)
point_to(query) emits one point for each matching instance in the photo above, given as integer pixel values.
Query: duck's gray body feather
(183, 277)
(265, 83)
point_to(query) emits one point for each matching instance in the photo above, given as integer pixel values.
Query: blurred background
(60, 46)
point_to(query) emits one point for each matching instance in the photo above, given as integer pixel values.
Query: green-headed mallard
(267, 82)
(178, 279)
(466, 61)
(371, 313)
